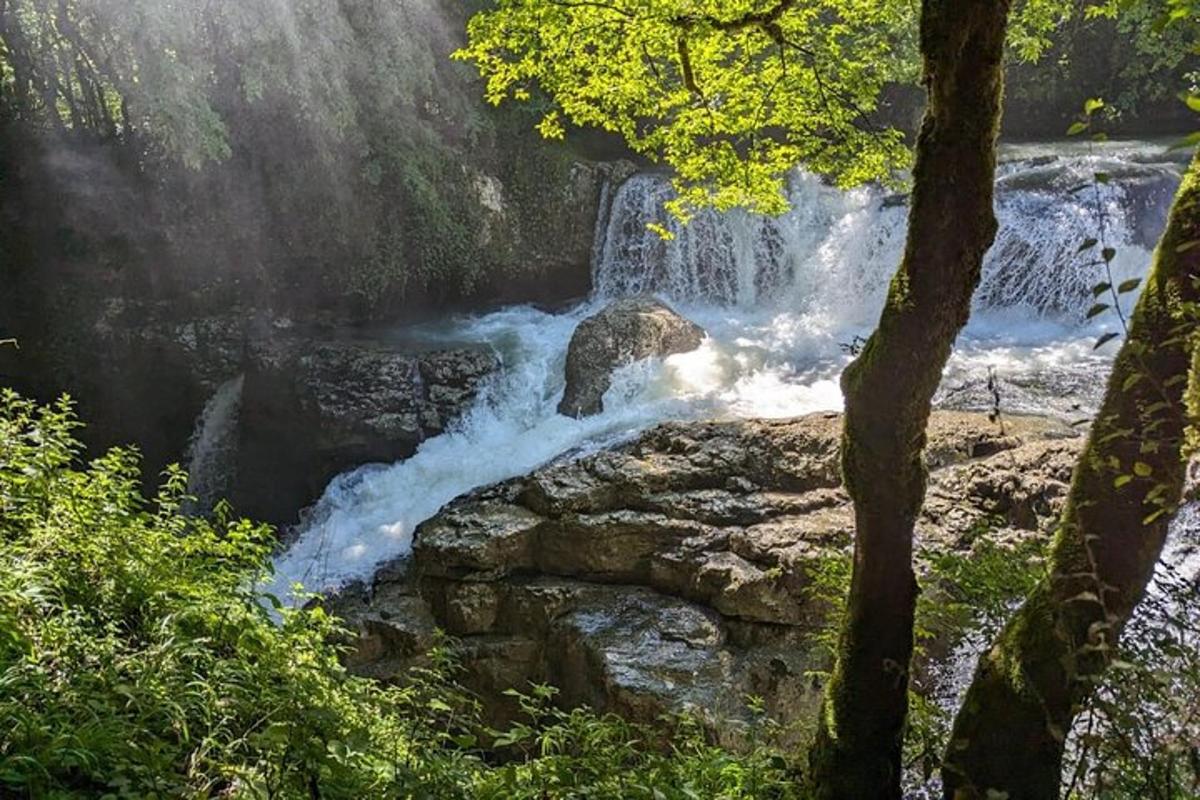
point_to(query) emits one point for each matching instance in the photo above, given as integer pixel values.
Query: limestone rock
(624, 332)
(675, 572)
(312, 408)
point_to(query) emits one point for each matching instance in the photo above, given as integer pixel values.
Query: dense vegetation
(315, 153)
(138, 659)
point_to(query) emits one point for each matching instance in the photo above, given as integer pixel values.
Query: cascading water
(782, 301)
(211, 454)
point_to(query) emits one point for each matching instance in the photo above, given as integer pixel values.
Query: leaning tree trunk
(1009, 736)
(890, 387)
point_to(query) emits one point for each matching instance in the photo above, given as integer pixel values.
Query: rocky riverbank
(674, 572)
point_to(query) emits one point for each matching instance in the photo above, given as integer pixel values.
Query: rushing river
(783, 301)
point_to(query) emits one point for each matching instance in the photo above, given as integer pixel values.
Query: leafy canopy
(732, 94)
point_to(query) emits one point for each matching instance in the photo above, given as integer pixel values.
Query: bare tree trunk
(1010, 732)
(889, 390)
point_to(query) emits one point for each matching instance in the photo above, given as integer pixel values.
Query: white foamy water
(781, 300)
(212, 451)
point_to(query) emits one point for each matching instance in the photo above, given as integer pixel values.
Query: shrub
(138, 658)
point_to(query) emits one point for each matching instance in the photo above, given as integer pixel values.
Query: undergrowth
(138, 659)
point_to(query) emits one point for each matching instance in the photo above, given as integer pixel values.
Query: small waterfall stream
(212, 453)
(780, 299)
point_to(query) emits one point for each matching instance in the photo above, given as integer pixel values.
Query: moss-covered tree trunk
(889, 390)
(1010, 731)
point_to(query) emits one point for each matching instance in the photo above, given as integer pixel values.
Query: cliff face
(122, 269)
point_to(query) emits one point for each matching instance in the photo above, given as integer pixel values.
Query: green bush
(138, 659)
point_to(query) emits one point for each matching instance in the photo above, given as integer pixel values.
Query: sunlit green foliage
(137, 659)
(1136, 54)
(1164, 36)
(135, 656)
(732, 95)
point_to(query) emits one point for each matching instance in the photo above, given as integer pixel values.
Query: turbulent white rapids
(781, 300)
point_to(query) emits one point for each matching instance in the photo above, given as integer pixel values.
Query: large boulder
(677, 572)
(624, 332)
(313, 408)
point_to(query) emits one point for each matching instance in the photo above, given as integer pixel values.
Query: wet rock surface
(314, 402)
(312, 409)
(675, 572)
(624, 332)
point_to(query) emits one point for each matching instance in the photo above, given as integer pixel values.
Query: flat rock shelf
(673, 573)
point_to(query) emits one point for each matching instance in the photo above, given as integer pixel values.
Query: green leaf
(1092, 106)
(1097, 310)
(1105, 339)
(1077, 128)
(1108, 254)
(1101, 177)
(1151, 517)
(1142, 469)
(1088, 244)
(1129, 285)
(1121, 480)
(1100, 288)
(1187, 142)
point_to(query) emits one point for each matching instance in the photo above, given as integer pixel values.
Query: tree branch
(760, 19)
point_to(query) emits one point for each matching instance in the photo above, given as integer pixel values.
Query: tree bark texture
(1009, 736)
(889, 390)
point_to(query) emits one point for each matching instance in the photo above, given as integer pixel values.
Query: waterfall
(834, 252)
(782, 301)
(833, 249)
(212, 452)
